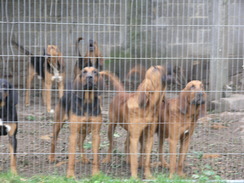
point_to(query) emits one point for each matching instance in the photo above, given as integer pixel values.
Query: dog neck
(87, 104)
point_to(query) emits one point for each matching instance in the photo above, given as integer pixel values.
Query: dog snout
(200, 95)
(89, 77)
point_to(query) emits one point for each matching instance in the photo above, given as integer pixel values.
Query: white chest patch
(57, 77)
(7, 126)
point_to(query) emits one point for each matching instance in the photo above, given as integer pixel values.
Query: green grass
(101, 178)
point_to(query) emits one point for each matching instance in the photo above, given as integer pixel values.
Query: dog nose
(200, 94)
(89, 77)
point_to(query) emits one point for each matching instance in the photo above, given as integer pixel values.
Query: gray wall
(176, 31)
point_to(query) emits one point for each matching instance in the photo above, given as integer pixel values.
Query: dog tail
(21, 48)
(77, 46)
(114, 79)
(138, 70)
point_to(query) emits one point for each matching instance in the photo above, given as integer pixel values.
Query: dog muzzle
(4, 129)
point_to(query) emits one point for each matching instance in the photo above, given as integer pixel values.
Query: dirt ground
(217, 145)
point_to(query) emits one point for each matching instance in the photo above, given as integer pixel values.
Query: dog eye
(94, 72)
(193, 87)
(84, 72)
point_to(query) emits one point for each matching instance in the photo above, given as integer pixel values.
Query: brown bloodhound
(93, 57)
(49, 67)
(137, 113)
(9, 118)
(82, 106)
(177, 121)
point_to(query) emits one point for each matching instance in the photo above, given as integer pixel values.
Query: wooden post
(219, 63)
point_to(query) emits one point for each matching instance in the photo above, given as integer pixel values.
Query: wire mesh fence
(42, 55)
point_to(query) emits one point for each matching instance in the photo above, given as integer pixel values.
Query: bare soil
(217, 144)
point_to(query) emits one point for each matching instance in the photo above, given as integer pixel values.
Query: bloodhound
(137, 113)
(49, 67)
(9, 118)
(177, 121)
(82, 106)
(93, 57)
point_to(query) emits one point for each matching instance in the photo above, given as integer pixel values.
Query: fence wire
(192, 39)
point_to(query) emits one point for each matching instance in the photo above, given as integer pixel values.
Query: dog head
(55, 58)
(93, 56)
(192, 94)
(5, 91)
(88, 79)
(154, 83)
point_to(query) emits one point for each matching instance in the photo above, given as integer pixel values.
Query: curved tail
(115, 80)
(138, 70)
(77, 46)
(21, 48)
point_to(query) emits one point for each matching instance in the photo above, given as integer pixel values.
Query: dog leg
(162, 161)
(31, 74)
(184, 145)
(74, 130)
(95, 147)
(48, 87)
(13, 150)
(142, 157)
(44, 93)
(172, 150)
(148, 149)
(134, 138)
(56, 129)
(80, 143)
(61, 87)
(111, 130)
(127, 145)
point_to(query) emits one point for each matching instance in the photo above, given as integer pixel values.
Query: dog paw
(51, 158)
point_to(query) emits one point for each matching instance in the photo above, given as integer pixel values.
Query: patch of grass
(101, 178)
(30, 118)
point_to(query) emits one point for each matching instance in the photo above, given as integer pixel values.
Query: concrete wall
(175, 31)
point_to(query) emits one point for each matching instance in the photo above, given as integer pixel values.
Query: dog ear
(183, 102)
(143, 99)
(202, 111)
(77, 85)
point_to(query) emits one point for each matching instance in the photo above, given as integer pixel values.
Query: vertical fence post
(219, 67)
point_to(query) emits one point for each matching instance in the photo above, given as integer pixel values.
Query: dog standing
(82, 106)
(49, 67)
(177, 121)
(9, 118)
(93, 57)
(137, 113)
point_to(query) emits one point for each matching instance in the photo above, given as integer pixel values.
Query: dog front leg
(61, 87)
(148, 150)
(95, 148)
(31, 74)
(80, 143)
(47, 90)
(111, 130)
(13, 151)
(133, 154)
(184, 145)
(172, 150)
(74, 130)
